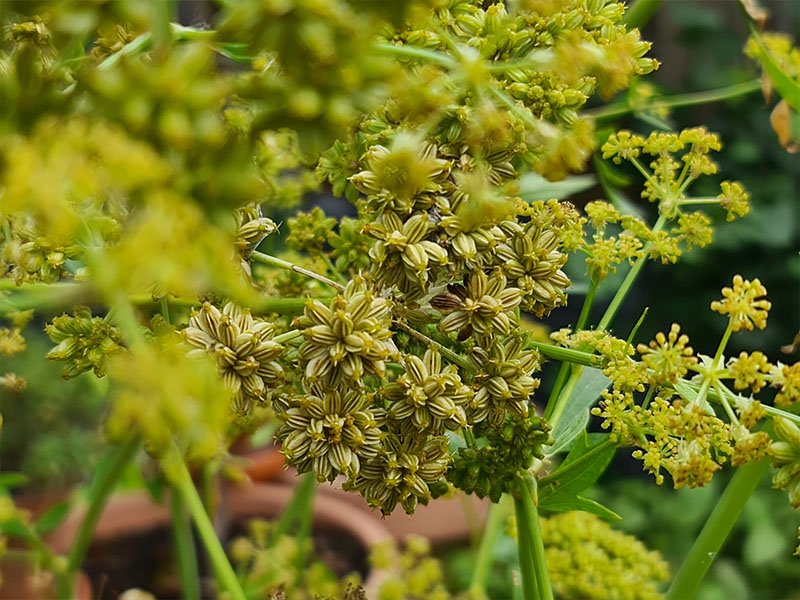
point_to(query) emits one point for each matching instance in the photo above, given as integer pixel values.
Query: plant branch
(630, 278)
(414, 53)
(640, 12)
(620, 109)
(535, 582)
(716, 530)
(98, 496)
(225, 575)
(184, 549)
(567, 355)
(485, 557)
(453, 357)
(274, 261)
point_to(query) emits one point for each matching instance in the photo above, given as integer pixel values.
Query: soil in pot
(145, 560)
(132, 547)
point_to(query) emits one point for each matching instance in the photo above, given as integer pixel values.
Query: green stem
(566, 355)
(485, 555)
(287, 336)
(630, 278)
(529, 533)
(415, 53)
(587, 306)
(225, 575)
(98, 496)
(41, 295)
(619, 109)
(453, 357)
(162, 32)
(527, 568)
(184, 549)
(716, 530)
(274, 261)
(640, 12)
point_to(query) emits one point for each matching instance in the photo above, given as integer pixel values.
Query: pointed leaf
(533, 186)
(576, 414)
(12, 479)
(583, 504)
(53, 517)
(586, 462)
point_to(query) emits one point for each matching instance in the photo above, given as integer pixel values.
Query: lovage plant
(150, 175)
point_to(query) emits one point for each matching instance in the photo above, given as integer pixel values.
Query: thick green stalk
(225, 575)
(162, 31)
(716, 530)
(98, 496)
(533, 566)
(485, 556)
(184, 549)
(640, 12)
(620, 109)
(566, 355)
(527, 568)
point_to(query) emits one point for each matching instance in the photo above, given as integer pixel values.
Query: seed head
(242, 347)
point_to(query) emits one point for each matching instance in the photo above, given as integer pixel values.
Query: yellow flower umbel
(744, 303)
(482, 307)
(588, 559)
(242, 347)
(399, 177)
(406, 471)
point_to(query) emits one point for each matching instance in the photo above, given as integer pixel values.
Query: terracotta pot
(135, 515)
(264, 464)
(442, 521)
(20, 581)
(261, 463)
(39, 502)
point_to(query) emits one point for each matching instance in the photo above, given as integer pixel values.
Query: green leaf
(533, 186)
(583, 504)
(53, 517)
(235, 52)
(787, 87)
(15, 529)
(588, 459)
(576, 414)
(12, 479)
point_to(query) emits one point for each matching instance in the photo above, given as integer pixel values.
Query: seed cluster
(242, 347)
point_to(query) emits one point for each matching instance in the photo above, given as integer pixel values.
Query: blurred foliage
(757, 562)
(50, 429)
